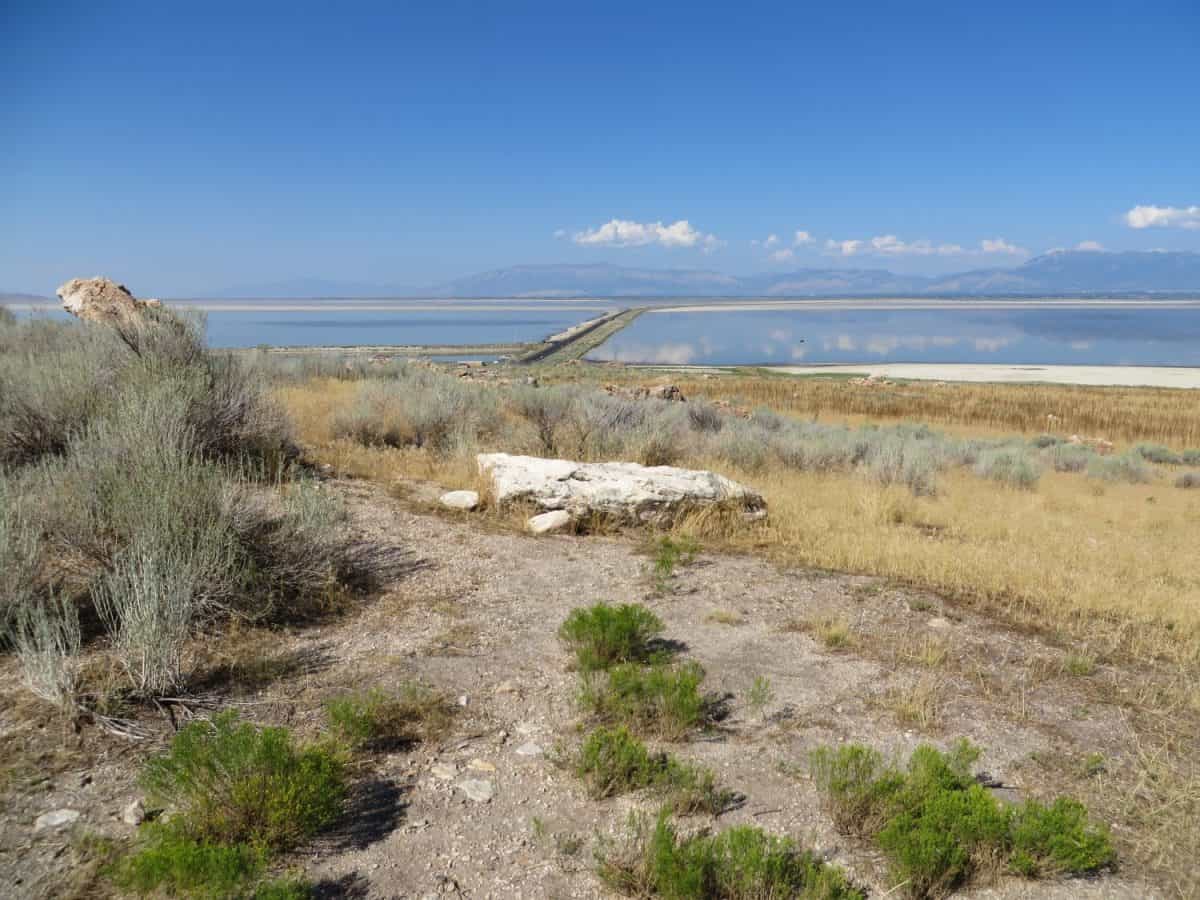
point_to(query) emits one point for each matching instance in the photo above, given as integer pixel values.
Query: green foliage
(234, 783)
(602, 636)
(613, 762)
(375, 719)
(742, 863)
(1069, 457)
(760, 694)
(1157, 453)
(1057, 839)
(170, 861)
(939, 827)
(1129, 468)
(660, 700)
(670, 553)
(856, 786)
(1009, 467)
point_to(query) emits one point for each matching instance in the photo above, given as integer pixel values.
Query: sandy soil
(476, 616)
(1127, 376)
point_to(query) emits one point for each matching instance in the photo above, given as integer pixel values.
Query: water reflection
(1080, 335)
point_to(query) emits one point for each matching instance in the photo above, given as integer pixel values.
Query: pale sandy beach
(1126, 376)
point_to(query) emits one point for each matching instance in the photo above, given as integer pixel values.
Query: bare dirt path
(488, 813)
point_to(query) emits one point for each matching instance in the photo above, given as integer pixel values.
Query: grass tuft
(602, 636)
(659, 700)
(613, 762)
(940, 828)
(375, 720)
(234, 783)
(742, 863)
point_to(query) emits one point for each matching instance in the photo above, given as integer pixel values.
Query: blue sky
(181, 148)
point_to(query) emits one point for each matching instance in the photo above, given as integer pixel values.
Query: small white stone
(478, 789)
(55, 819)
(529, 748)
(938, 622)
(444, 772)
(464, 500)
(134, 814)
(550, 521)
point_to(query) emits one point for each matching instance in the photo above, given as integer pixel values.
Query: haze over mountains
(1058, 272)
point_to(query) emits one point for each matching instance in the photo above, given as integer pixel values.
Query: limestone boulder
(625, 490)
(101, 300)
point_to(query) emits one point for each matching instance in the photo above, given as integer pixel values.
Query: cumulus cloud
(802, 239)
(771, 241)
(1089, 245)
(845, 248)
(890, 245)
(1000, 245)
(1163, 217)
(784, 255)
(624, 233)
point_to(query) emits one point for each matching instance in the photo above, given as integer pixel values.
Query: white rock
(529, 748)
(465, 500)
(443, 771)
(478, 789)
(134, 814)
(624, 490)
(549, 521)
(55, 819)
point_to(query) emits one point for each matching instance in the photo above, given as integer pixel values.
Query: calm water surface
(1143, 335)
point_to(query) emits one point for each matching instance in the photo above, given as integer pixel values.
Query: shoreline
(1187, 378)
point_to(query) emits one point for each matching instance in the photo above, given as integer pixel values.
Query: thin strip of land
(1117, 376)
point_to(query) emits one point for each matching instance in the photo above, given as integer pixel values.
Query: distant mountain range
(1062, 272)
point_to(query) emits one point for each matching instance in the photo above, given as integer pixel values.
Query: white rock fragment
(529, 748)
(57, 818)
(546, 522)
(464, 500)
(133, 814)
(478, 789)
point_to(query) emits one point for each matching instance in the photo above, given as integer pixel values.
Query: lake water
(1148, 334)
(357, 323)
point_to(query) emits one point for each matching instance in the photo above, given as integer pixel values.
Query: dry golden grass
(1113, 563)
(1167, 415)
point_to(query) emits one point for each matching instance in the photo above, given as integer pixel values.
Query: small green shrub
(1129, 468)
(1188, 480)
(376, 720)
(1057, 839)
(234, 783)
(742, 863)
(613, 762)
(602, 635)
(1011, 468)
(1069, 457)
(671, 553)
(172, 862)
(1190, 457)
(856, 786)
(939, 827)
(659, 700)
(1042, 441)
(1157, 453)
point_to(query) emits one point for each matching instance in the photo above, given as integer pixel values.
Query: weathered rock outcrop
(100, 300)
(624, 490)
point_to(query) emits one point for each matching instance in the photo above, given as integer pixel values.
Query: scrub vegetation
(1017, 524)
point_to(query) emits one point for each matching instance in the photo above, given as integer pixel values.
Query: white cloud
(771, 241)
(623, 233)
(845, 248)
(1089, 245)
(801, 239)
(784, 255)
(1163, 217)
(1000, 245)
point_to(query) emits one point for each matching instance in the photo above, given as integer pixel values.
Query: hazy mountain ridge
(1059, 272)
